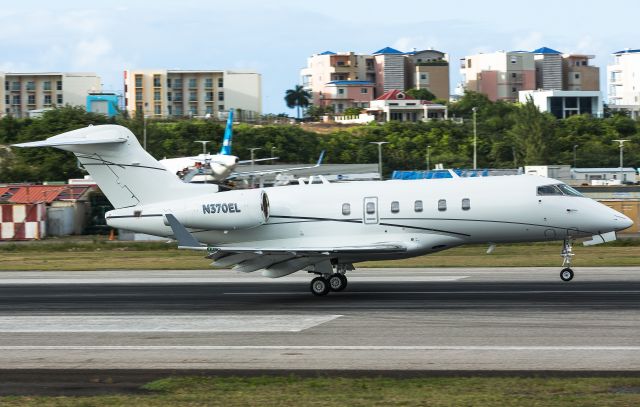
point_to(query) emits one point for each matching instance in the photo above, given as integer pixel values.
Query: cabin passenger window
(371, 208)
(417, 206)
(395, 207)
(466, 204)
(549, 190)
(346, 209)
(442, 205)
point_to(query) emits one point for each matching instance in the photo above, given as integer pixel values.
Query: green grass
(337, 391)
(161, 256)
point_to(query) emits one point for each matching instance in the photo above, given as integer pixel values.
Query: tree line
(510, 135)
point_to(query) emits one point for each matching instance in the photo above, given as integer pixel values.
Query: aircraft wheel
(337, 282)
(566, 274)
(320, 286)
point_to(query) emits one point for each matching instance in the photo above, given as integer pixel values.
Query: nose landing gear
(566, 274)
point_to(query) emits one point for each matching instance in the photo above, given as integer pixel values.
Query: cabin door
(370, 210)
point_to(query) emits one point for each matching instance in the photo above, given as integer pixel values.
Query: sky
(276, 37)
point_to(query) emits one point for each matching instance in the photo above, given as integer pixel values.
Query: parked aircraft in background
(325, 228)
(220, 167)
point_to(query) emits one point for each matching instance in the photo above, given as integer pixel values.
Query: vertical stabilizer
(228, 134)
(125, 172)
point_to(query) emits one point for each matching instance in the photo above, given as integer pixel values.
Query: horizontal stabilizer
(85, 139)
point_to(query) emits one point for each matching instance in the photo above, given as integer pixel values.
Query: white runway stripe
(161, 323)
(206, 280)
(458, 292)
(322, 348)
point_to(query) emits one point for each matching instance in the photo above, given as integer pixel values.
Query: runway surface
(387, 319)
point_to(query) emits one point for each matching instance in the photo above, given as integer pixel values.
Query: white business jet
(325, 228)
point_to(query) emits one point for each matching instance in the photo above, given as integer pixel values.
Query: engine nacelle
(223, 165)
(231, 210)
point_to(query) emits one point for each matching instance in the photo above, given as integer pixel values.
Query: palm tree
(297, 97)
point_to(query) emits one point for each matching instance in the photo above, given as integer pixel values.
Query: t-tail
(124, 171)
(228, 135)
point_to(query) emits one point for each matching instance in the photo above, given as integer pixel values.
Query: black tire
(337, 282)
(320, 286)
(566, 274)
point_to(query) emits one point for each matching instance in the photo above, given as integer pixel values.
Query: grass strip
(340, 391)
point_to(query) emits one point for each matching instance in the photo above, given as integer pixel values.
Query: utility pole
(253, 161)
(475, 140)
(144, 131)
(379, 143)
(574, 155)
(621, 143)
(428, 157)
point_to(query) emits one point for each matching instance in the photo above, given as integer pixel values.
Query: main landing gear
(566, 274)
(325, 283)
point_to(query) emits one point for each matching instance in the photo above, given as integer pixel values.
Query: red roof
(393, 95)
(41, 193)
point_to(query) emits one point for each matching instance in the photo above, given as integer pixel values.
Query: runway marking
(161, 323)
(192, 280)
(456, 292)
(321, 347)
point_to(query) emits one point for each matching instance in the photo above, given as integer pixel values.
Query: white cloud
(90, 54)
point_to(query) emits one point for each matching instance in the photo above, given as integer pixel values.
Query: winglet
(185, 239)
(320, 158)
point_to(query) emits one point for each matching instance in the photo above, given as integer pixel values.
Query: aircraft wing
(244, 162)
(276, 261)
(277, 170)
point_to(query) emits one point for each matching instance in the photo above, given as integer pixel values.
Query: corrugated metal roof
(614, 169)
(327, 53)
(41, 193)
(628, 51)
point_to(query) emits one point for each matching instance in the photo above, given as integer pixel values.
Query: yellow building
(192, 93)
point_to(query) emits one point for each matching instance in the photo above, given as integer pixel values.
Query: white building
(26, 92)
(623, 78)
(565, 103)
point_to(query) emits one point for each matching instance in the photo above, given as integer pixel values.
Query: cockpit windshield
(557, 189)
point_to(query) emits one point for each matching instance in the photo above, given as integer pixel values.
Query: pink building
(344, 94)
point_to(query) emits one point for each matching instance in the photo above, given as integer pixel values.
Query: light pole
(253, 161)
(204, 145)
(272, 150)
(621, 143)
(428, 157)
(379, 143)
(475, 139)
(574, 155)
(144, 131)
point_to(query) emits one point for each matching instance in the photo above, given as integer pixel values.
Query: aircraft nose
(622, 222)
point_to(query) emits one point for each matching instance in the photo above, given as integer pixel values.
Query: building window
(157, 109)
(15, 85)
(31, 85)
(221, 107)
(31, 99)
(16, 100)
(513, 75)
(208, 83)
(513, 90)
(177, 83)
(193, 96)
(423, 76)
(47, 100)
(364, 90)
(178, 97)
(395, 207)
(156, 81)
(169, 96)
(156, 95)
(208, 110)
(466, 204)
(340, 91)
(442, 205)
(192, 83)
(220, 96)
(138, 96)
(169, 110)
(178, 111)
(577, 76)
(514, 60)
(6, 85)
(220, 82)
(46, 85)
(468, 63)
(417, 206)
(59, 99)
(138, 81)
(168, 82)
(193, 110)
(7, 99)
(58, 85)
(346, 209)
(209, 97)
